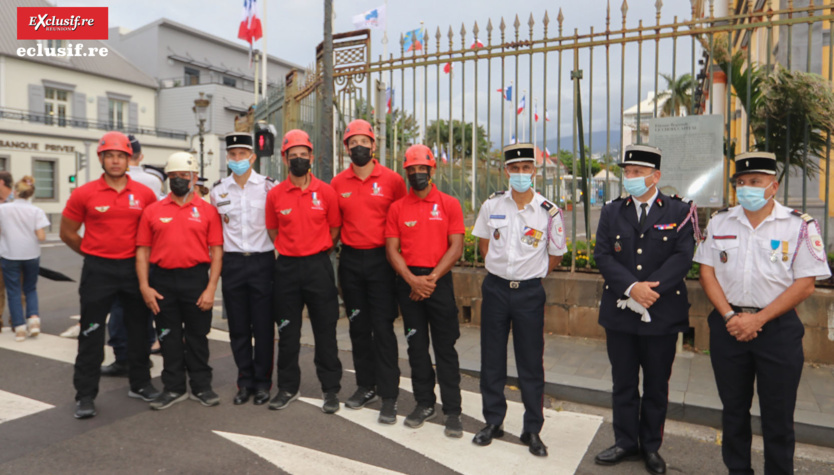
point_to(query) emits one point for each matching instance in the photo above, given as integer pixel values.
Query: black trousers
(774, 359)
(102, 281)
(182, 327)
(436, 316)
(309, 281)
(523, 309)
(247, 297)
(367, 282)
(638, 422)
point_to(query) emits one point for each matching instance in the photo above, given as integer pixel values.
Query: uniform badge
(194, 213)
(226, 218)
(496, 235)
(434, 212)
(316, 201)
(816, 242)
(617, 246)
(410, 224)
(131, 201)
(346, 195)
(102, 209)
(376, 191)
(286, 211)
(223, 195)
(166, 220)
(723, 256)
(531, 236)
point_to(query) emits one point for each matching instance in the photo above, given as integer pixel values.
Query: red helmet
(358, 127)
(419, 155)
(294, 138)
(115, 141)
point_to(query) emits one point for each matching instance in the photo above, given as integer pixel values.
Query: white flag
(371, 19)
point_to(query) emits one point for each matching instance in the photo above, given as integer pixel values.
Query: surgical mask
(419, 181)
(636, 186)
(521, 182)
(180, 186)
(360, 156)
(299, 166)
(239, 168)
(752, 198)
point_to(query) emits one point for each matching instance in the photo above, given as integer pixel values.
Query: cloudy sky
(294, 28)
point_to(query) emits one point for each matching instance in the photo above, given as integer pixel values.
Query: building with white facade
(53, 110)
(187, 62)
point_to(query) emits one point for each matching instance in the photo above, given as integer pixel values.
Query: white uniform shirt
(743, 257)
(243, 211)
(637, 204)
(19, 220)
(145, 178)
(519, 239)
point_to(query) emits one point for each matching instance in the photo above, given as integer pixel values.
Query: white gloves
(635, 307)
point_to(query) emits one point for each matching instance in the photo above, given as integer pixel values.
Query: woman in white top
(21, 228)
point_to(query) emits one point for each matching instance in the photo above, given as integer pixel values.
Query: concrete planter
(572, 309)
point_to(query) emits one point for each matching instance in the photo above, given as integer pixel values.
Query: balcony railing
(237, 83)
(77, 123)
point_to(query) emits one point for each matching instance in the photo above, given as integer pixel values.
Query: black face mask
(299, 166)
(179, 186)
(419, 181)
(360, 156)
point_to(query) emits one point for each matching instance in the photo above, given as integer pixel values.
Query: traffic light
(81, 161)
(264, 140)
(72, 179)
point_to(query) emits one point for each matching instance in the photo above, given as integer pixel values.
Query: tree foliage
(437, 134)
(679, 93)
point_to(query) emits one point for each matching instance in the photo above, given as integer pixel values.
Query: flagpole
(533, 126)
(422, 81)
(264, 62)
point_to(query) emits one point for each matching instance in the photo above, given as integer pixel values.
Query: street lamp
(200, 112)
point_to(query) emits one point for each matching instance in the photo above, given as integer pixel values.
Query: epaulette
(805, 216)
(270, 179)
(681, 198)
(615, 199)
(719, 211)
(217, 183)
(497, 193)
(551, 209)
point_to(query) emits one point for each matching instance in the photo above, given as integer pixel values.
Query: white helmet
(181, 162)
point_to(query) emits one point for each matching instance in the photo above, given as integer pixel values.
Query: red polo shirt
(110, 218)
(364, 204)
(180, 236)
(303, 218)
(424, 226)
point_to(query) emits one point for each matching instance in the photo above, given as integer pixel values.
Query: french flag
(443, 156)
(250, 25)
(447, 68)
(546, 116)
(507, 92)
(536, 112)
(523, 105)
(389, 93)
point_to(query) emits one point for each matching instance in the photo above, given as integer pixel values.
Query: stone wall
(573, 304)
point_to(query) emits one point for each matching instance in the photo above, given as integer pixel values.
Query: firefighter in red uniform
(302, 219)
(178, 261)
(109, 208)
(424, 239)
(365, 191)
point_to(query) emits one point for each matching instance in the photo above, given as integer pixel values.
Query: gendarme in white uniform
(141, 176)
(243, 213)
(519, 239)
(754, 266)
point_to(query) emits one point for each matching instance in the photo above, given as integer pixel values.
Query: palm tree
(679, 91)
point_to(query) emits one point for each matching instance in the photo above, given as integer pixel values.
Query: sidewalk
(577, 370)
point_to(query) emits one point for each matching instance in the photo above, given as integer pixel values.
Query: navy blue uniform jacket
(658, 252)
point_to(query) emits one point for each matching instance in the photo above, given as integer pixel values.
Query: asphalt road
(39, 435)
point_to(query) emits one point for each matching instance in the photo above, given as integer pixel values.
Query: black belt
(518, 284)
(745, 309)
(248, 254)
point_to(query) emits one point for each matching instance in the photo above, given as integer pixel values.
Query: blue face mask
(636, 186)
(239, 168)
(521, 182)
(752, 198)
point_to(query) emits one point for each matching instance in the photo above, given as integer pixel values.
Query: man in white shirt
(521, 236)
(137, 173)
(758, 262)
(248, 261)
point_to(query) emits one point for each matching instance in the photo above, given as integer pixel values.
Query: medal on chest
(774, 246)
(723, 256)
(617, 246)
(784, 251)
(226, 218)
(496, 235)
